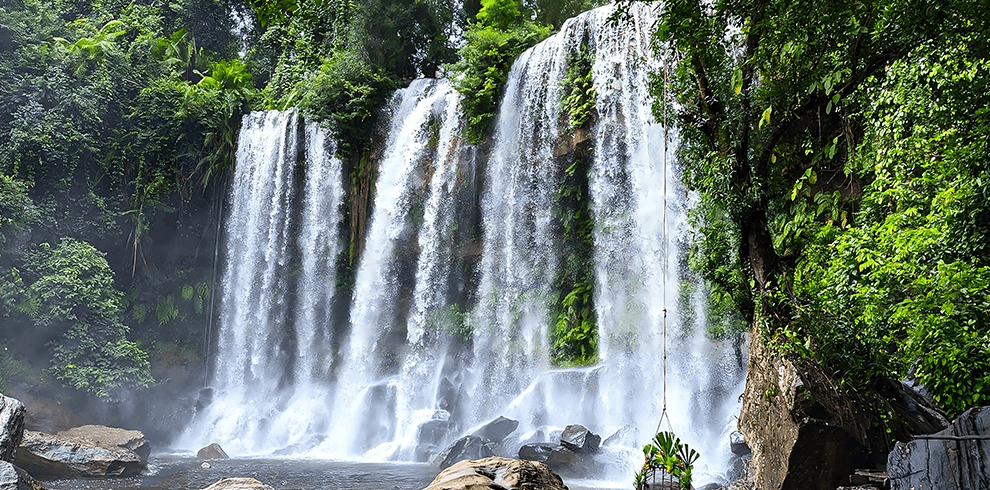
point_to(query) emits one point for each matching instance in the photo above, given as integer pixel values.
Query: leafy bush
(578, 90)
(68, 292)
(492, 45)
(907, 285)
(344, 94)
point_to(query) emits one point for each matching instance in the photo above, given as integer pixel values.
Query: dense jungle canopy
(838, 151)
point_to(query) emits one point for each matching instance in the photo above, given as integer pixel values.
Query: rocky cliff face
(11, 427)
(805, 433)
(956, 458)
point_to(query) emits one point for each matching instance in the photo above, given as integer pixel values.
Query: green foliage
(68, 291)
(841, 171)
(667, 455)
(499, 14)
(906, 286)
(165, 310)
(17, 210)
(452, 320)
(173, 354)
(574, 332)
(555, 12)
(343, 95)
(577, 88)
(485, 62)
(13, 368)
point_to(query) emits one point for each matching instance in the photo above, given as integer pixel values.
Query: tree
(67, 292)
(836, 150)
(764, 91)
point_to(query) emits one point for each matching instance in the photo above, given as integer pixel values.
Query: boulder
(916, 411)
(626, 436)
(430, 435)
(447, 396)
(565, 460)
(14, 478)
(737, 444)
(213, 451)
(238, 484)
(497, 429)
(467, 447)
(579, 439)
(110, 437)
(805, 433)
(497, 474)
(559, 458)
(434, 431)
(85, 451)
(952, 459)
(536, 452)
(11, 427)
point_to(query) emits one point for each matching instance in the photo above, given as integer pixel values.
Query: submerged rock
(14, 478)
(624, 437)
(497, 430)
(213, 451)
(579, 439)
(497, 474)
(536, 452)
(11, 427)
(84, 451)
(945, 464)
(467, 447)
(238, 484)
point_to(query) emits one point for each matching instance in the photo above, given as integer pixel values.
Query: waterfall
(458, 282)
(281, 243)
(388, 374)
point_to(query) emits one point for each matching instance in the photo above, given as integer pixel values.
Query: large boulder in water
(11, 427)
(497, 474)
(956, 462)
(238, 484)
(14, 478)
(84, 451)
(579, 439)
(497, 430)
(213, 451)
(110, 437)
(467, 447)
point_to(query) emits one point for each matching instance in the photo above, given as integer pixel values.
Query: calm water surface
(175, 472)
(184, 472)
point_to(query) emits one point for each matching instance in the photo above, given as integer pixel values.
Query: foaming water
(271, 365)
(455, 288)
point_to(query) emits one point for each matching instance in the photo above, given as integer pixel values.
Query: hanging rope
(664, 248)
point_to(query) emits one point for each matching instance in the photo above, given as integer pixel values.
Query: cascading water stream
(269, 233)
(385, 385)
(449, 322)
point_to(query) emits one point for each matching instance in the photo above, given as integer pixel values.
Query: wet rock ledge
(87, 451)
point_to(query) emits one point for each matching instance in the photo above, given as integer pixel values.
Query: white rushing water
(449, 317)
(258, 356)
